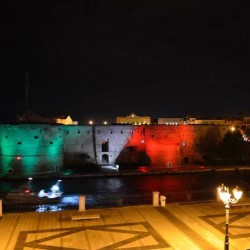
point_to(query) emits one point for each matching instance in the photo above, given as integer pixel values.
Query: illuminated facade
(246, 121)
(30, 117)
(133, 119)
(210, 121)
(171, 121)
(65, 120)
(38, 148)
(30, 148)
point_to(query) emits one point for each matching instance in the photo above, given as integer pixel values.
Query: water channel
(137, 189)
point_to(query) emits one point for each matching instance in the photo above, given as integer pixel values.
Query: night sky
(99, 59)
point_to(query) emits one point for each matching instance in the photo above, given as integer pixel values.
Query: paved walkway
(172, 227)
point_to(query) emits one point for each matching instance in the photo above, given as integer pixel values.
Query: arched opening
(105, 159)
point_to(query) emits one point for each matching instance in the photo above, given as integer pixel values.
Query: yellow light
(237, 193)
(225, 195)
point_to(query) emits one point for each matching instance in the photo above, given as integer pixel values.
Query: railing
(109, 200)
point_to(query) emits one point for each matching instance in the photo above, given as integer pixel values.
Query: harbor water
(104, 191)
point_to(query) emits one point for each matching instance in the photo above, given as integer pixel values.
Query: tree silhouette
(232, 147)
(208, 145)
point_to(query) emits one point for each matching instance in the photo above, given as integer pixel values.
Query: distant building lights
(105, 122)
(90, 122)
(232, 129)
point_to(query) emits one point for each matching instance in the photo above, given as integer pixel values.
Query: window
(105, 146)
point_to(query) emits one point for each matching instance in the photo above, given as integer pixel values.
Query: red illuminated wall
(134, 150)
(163, 146)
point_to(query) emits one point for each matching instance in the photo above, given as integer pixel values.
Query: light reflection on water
(67, 200)
(98, 190)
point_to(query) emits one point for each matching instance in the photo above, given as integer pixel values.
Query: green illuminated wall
(30, 148)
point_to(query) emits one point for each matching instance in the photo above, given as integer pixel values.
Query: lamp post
(226, 198)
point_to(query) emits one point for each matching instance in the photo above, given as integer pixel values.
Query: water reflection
(48, 208)
(65, 202)
(135, 189)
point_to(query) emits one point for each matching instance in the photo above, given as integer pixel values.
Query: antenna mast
(27, 92)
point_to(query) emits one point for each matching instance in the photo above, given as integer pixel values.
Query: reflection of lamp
(225, 196)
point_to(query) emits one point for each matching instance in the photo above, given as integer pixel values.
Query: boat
(53, 193)
(25, 193)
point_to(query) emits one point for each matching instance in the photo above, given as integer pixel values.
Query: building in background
(133, 119)
(214, 121)
(171, 121)
(33, 118)
(246, 121)
(65, 120)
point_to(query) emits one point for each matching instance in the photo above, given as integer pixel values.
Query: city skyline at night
(103, 59)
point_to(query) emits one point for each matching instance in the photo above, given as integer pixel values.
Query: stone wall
(40, 148)
(30, 148)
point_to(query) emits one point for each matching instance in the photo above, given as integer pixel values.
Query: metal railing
(105, 201)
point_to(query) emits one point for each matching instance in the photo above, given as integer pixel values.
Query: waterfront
(118, 190)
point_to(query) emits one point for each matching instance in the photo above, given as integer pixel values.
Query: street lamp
(225, 196)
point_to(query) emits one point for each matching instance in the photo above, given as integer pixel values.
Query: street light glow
(226, 198)
(232, 128)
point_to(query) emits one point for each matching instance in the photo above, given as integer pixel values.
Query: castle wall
(116, 137)
(30, 148)
(78, 147)
(165, 146)
(40, 148)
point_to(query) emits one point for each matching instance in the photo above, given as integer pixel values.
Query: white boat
(53, 193)
(25, 194)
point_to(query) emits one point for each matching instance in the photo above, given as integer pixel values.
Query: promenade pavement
(174, 226)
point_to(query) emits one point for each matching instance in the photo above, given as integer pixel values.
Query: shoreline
(117, 173)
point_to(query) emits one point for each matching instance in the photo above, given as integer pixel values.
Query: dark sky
(100, 59)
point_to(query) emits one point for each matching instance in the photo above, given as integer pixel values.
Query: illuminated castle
(41, 148)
